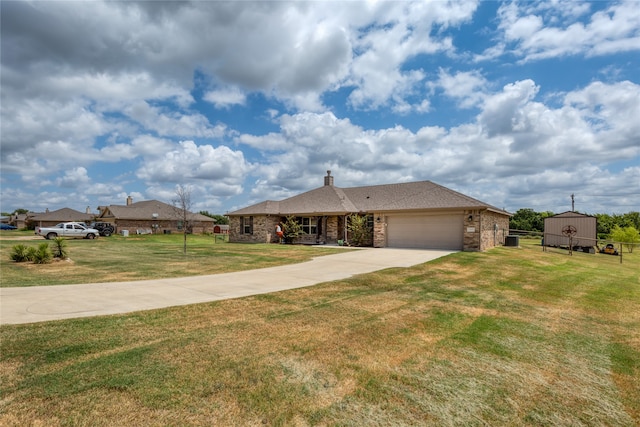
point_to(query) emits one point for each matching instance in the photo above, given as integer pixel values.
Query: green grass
(118, 258)
(513, 336)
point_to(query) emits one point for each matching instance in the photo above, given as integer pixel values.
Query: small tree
(291, 229)
(359, 232)
(627, 235)
(182, 204)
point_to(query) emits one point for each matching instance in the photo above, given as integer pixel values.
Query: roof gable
(326, 199)
(570, 214)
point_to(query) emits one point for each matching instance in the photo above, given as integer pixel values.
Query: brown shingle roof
(328, 199)
(146, 209)
(62, 215)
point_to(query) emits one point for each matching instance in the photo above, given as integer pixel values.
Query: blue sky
(518, 104)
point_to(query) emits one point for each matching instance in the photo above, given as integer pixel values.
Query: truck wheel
(91, 236)
(51, 236)
(106, 233)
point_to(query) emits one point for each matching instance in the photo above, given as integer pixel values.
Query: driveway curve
(46, 303)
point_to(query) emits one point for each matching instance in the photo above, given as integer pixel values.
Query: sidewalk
(45, 303)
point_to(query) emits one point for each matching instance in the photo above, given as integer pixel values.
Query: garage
(425, 231)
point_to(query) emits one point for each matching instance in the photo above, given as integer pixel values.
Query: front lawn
(513, 336)
(139, 257)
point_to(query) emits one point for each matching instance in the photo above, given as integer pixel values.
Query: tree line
(617, 227)
(529, 220)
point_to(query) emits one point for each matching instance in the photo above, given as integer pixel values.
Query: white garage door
(425, 231)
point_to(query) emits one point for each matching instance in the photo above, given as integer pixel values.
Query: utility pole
(573, 204)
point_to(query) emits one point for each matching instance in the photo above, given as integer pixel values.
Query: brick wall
(264, 230)
(161, 226)
(484, 230)
(494, 229)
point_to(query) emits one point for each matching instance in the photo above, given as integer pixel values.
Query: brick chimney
(328, 180)
(129, 200)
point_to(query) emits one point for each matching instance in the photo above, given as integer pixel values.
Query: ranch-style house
(405, 215)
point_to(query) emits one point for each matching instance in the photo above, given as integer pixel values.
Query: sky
(517, 104)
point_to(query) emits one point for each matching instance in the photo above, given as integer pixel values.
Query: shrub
(358, 230)
(291, 229)
(60, 248)
(21, 253)
(42, 254)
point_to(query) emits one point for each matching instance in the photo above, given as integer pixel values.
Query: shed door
(425, 231)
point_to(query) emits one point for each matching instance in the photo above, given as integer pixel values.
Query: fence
(582, 244)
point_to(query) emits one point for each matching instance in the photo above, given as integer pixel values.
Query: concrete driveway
(45, 303)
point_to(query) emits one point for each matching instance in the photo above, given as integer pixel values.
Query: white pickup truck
(68, 229)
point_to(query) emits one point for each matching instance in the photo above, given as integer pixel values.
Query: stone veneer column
(379, 231)
(471, 230)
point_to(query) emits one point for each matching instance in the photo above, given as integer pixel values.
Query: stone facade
(264, 229)
(484, 230)
(264, 226)
(493, 230)
(160, 226)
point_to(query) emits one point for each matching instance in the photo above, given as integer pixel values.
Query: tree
(627, 235)
(182, 204)
(528, 220)
(632, 219)
(358, 229)
(220, 219)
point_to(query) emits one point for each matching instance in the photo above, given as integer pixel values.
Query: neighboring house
(152, 216)
(581, 228)
(21, 220)
(50, 218)
(406, 215)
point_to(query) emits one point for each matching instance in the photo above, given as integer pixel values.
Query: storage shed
(582, 227)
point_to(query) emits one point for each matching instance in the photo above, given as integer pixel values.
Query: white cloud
(534, 31)
(74, 178)
(225, 98)
(502, 112)
(469, 87)
(188, 161)
(172, 123)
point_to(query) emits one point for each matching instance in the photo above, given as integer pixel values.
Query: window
(246, 225)
(308, 225)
